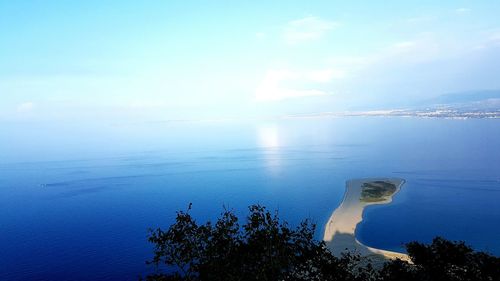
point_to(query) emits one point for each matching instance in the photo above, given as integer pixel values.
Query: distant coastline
(340, 229)
(423, 113)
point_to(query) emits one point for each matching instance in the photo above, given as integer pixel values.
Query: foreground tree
(443, 260)
(265, 248)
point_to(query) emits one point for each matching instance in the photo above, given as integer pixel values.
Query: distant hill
(471, 104)
(465, 97)
(470, 100)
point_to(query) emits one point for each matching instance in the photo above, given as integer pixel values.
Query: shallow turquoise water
(77, 199)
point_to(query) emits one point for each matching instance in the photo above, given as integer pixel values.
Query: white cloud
(25, 107)
(404, 45)
(280, 84)
(349, 62)
(307, 29)
(424, 48)
(419, 50)
(462, 10)
(491, 39)
(419, 19)
(494, 39)
(260, 35)
(325, 75)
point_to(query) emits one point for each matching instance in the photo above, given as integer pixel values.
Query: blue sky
(160, 60)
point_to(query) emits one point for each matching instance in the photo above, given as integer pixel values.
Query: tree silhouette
(266, 248)
(443, 260)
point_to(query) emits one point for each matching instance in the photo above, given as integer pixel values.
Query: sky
(176, 60)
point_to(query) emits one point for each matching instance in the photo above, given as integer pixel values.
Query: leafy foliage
(443, 260)
(265, 248)
(377, 191)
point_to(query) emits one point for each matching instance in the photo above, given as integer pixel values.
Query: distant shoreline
(341, 227)
(444, 113)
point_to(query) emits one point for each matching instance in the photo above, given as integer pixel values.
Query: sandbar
(341, 227)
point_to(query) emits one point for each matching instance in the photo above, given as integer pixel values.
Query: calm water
(77, 200)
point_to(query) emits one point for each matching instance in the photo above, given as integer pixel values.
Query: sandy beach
(340, 229)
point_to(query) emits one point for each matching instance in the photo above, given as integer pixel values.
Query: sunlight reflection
(269, 142)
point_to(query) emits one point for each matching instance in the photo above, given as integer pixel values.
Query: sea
(77, 200)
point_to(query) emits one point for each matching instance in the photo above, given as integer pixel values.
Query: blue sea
(77, 199)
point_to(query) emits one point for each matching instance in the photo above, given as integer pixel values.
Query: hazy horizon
(129, 61)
